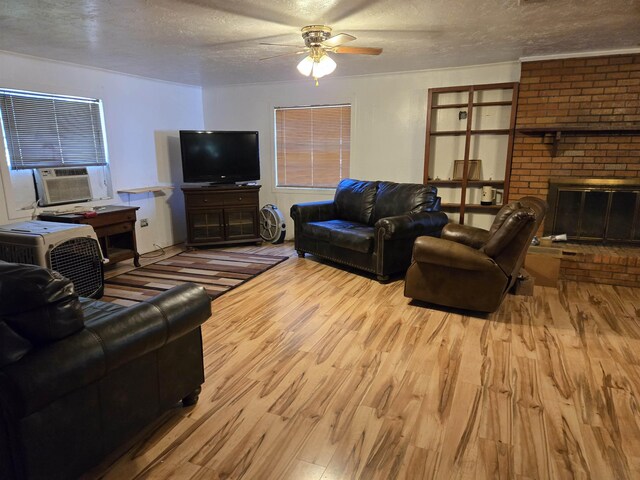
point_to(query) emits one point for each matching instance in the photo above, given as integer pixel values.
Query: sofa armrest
(466, 235)
(313, 211)
(185, 307)
(446, 253)
(411, 225)
(108, 342)
(131, 332)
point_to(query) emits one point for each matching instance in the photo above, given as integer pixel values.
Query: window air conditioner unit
(62, 185)
(70, 249)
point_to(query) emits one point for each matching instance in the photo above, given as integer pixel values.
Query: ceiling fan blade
(281, 45)
(284, 55)
(338, 39)
(358, 50)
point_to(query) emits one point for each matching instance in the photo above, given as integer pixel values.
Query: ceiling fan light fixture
(306, 66)
(318, 64)
(323, 66)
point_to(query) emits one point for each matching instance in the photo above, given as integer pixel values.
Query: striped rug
(216, 270)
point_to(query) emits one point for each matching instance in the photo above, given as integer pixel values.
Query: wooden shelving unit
(471, 207)
(473, 132)
(470, 183)
(505, 97)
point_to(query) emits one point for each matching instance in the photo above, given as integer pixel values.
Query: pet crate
(71, 250)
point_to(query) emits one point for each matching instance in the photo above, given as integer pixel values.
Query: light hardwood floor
(313, 372)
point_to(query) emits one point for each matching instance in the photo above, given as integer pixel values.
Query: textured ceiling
(204, 42)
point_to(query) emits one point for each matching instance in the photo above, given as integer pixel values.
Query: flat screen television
(219, 156)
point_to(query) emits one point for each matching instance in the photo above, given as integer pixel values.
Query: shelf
(115, 254)
(504, 131)
(578, 129)
(472, 207)
(478, 104)
(470, 183)
(499, 147)
(558, 130)
(157, 188)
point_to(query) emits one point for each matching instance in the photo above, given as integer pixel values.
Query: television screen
(219, 157)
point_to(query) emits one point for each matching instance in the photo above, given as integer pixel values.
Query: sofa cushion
(39, 304)
(354, 200)
(355, 237)
(322, 230)
(401, 198)
(341, 233)
(12, 346)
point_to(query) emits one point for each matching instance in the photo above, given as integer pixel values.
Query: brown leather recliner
(472, 268)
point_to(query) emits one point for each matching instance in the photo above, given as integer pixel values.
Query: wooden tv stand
(222, 214)
(115, 227)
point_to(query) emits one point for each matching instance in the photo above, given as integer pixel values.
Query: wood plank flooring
(317, 373)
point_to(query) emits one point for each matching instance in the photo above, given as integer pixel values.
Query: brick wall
(610, 268)
(597, 91)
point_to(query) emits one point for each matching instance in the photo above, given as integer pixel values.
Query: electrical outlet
(144, 222)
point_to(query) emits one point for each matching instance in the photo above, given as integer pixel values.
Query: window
(42, 130)
(312, 145)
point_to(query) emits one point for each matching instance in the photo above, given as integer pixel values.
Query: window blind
(42, 130)
(313, 145)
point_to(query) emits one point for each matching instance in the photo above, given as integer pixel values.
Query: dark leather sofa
(369, 225)
(473, 268)
(79, 377)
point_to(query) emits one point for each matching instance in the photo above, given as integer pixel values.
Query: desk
(115, 228)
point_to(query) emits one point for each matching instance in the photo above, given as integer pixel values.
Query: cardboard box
(544, 268)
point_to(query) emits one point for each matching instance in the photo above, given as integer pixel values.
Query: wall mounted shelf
(557, 131)
(157, 188)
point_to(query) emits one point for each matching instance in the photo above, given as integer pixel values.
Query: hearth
(602, 210)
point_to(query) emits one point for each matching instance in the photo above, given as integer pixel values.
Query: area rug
(216, 270)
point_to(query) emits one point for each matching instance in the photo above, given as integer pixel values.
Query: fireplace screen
(594, 210)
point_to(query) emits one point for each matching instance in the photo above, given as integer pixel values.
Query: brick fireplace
(594, 210)
(579, 118)
(600, 98)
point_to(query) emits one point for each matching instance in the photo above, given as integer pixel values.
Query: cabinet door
(206, 226)
(241, 222)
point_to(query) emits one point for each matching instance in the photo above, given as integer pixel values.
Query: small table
(115, 227)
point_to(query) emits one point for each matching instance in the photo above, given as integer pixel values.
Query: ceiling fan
(318, 41)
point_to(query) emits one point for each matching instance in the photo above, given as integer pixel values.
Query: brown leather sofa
(472, 268)
(79, 377)
(369, 225)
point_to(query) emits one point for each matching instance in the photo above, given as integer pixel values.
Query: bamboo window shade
(313, 145)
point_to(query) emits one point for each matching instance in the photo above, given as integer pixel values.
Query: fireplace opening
(594, 210)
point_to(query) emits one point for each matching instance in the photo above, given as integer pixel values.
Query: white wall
(142, 119)
(388, 121)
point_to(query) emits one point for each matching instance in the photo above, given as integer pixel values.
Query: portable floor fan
(272, 224)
